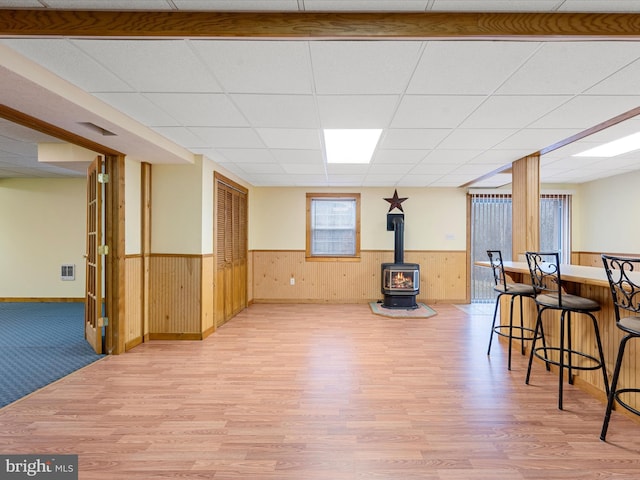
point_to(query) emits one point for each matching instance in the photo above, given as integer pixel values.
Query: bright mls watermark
(49, 467)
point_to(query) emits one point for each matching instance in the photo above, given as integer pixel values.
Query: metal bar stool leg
(533, 344)
(614, 385)
(569, 347)
(561, 359)
(521, 328)
(601, 353)
(493, 324)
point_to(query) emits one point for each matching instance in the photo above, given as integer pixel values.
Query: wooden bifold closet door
(231, 249)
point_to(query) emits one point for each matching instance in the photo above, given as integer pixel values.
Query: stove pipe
(398, 230)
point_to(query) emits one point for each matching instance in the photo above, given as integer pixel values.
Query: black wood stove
(400, 281)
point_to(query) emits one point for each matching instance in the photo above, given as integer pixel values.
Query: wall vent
(68, 272)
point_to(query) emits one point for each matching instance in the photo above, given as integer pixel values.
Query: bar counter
(590, 282)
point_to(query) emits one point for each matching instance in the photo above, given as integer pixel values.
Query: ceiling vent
(95, 128)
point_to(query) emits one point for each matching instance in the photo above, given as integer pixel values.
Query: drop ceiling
(451, 111)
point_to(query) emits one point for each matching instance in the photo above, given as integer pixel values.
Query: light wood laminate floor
(331, 392)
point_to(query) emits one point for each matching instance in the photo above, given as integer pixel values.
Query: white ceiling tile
(599, 6)
(512, 111)
(434, 111)
(224, 137)
(256, 106)
(199, 109)
(450, 156)
(283, 111)
(434, 168)
(304, 168)
(262, 168)
(623, 82)
(494, 5)
(152, 66)
(398, 156)
(392, 169)
(69, 62)
(181, 136)
(502, 157)
(365, 5)
(382, 180)
(586, 111)
(235, 5)
(139, 107)
(292, 156)
(477, 169)
(20, 4)
(356, 111)
(467, 68)
(347, 169)
(497, 180)
(475, 139)
(413, 138)
(368, 67)
(414, 180)
(568, 67)
(247, 155)
(535, 139)
(258, 66)
(302, 139)
(110, 5)
(308, 181)
(337, 180)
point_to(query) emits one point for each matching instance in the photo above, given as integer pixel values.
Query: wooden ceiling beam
(320, 25)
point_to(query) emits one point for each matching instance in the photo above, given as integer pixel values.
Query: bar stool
(546, 279)
(514, 290)
(625, 293)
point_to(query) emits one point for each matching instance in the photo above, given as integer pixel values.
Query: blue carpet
(39, 344)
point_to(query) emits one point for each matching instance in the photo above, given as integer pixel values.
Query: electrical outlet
(292, 281)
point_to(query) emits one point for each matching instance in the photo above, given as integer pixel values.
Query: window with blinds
(333, 225)
(491, 215)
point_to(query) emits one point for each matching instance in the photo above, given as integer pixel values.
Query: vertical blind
(491, 216)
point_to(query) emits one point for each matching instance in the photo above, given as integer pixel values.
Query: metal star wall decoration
(395, 201)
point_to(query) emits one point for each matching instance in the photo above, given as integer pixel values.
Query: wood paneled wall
(175, 293)
(183, 301)
(594, 259)
(207, 313)
(526, 205)
(134, 296)
(443, 277)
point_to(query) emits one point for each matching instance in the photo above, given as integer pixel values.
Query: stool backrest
(495, 259)
(545, 273)
(625, 290)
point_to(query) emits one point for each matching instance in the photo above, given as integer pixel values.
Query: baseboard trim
(41, 299)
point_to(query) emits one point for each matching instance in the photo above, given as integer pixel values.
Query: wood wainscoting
(594, 259)
(183, 300)
(175, 297)
(134, 327)
(443, 277)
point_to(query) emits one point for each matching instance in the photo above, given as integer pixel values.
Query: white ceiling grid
(451, 111)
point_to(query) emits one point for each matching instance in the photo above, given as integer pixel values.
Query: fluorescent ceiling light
(611, 149)
(350, 146)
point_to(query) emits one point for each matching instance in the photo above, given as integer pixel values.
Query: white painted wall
(607, 215)
(435, 218)
(176, 202)
(132, 207)
(42, 226)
